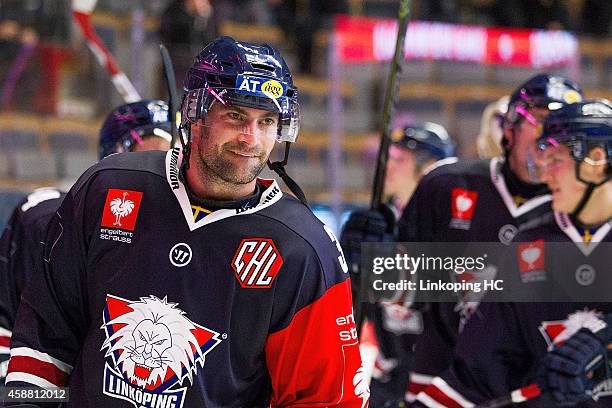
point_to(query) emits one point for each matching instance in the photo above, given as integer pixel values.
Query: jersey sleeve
(51, 318)
(313, 356)
(490, 360)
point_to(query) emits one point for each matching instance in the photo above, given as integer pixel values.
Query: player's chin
(244, 173)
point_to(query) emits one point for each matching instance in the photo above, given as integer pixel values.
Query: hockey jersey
(20, 248)
(471, 201)
(143, 304)
(502, 345)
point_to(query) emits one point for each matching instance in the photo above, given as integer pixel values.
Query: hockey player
(503, 345)
(473, 201)
(141, 125)
(415, 149)
(488, 141)
(183, 280)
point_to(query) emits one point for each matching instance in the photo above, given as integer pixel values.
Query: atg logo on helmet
(257, 86)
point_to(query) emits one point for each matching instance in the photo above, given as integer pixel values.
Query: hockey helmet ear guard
(127, 124)
(241, 74)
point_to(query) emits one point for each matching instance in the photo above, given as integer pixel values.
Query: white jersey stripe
(28, 352)
(428, 401)
(418, 378)
(29, 378)
(451, 393)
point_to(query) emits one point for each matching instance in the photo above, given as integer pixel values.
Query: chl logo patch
(180, 254)
(121, 209)
(256, 262)
(151, 349)
(463, 203)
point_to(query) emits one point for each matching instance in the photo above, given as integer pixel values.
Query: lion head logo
(151, 340)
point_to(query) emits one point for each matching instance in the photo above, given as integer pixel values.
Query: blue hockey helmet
(542, 91)
(429, 137)
(580, 126)
(241, 74)
(126, 124)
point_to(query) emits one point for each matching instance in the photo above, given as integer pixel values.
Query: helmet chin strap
(279, 168)
(184, 136)
(589, 191)
(583, 201)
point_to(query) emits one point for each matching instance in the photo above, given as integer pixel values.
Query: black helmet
(580, 126)
(542, 91)
(241, 74)
(126, 123)
(427, 136)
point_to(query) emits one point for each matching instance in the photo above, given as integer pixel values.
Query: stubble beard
(215, 166)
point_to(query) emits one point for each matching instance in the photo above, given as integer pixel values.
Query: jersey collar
(500, 184)
(174, 158)
(567, 226)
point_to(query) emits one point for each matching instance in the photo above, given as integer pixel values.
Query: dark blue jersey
(471, 201)
(21, 247)
(502, 345)
(144, 303)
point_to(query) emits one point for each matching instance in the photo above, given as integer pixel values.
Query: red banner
(363, 39)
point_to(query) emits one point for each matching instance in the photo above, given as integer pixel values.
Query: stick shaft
(388, 109)
(173, 101)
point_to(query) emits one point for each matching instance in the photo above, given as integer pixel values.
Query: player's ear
(597, 167)
(508, 134)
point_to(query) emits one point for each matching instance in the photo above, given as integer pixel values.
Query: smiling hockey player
(182, 279)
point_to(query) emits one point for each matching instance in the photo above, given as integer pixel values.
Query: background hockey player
(488, 141)
(413, 150)
(182, 279)
(391, 327)
(504, 346)
(137, 126)
(473, 201)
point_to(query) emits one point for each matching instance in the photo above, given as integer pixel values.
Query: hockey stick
(81, 12)
(518, 396)
(173, 101)
(389, 106)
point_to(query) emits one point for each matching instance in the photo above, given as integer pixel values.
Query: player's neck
(598, 209)
(207, 186)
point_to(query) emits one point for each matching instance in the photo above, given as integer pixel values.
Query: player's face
(151, 143)
(401, 170)
(558, 170)
(234, 143)
(522, 142)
